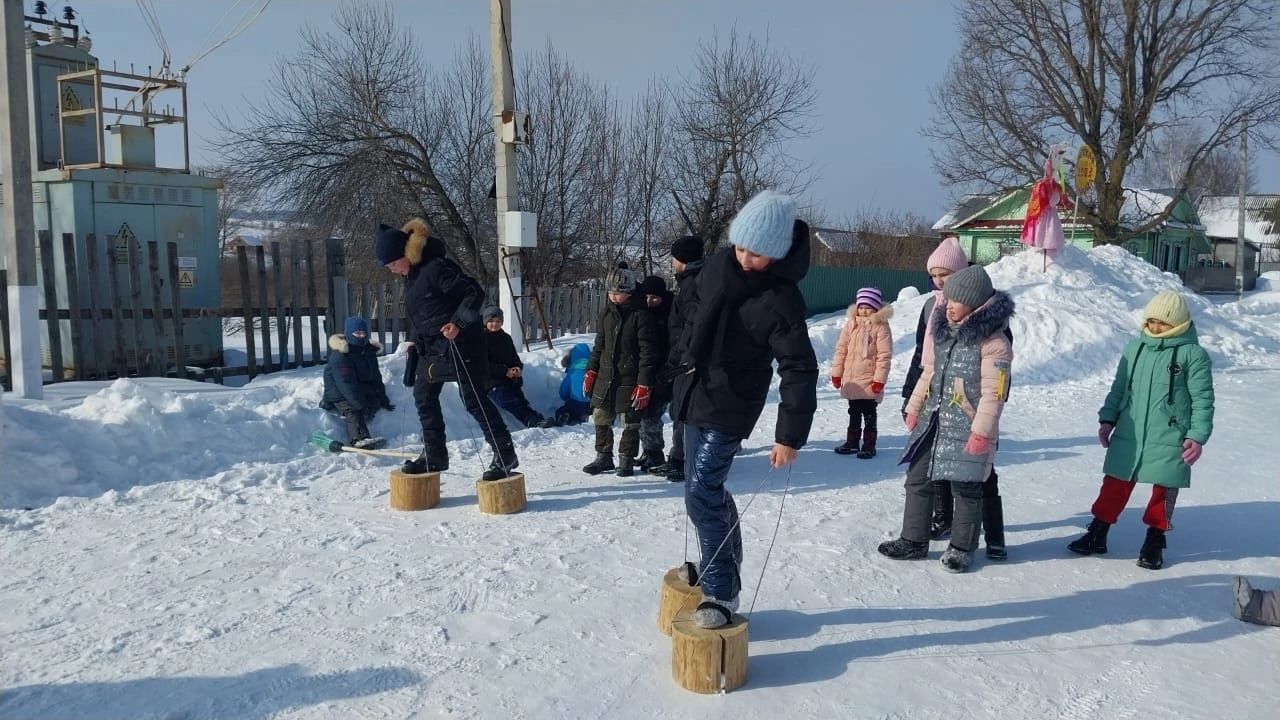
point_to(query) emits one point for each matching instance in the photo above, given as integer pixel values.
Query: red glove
(877, 388)
(977, 445)
(1104, 434)
(912, 421)
(1191, 451)
(588, 382)
(640, 397)
(835, 382)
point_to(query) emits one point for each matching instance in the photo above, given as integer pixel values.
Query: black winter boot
(626, 467)
(868, 450)
(650, 462)
(1151, 556)
(424, 464)
(851, 438)
(602, 463)
(903, 549)
(1093, 542)
(675, 470)
(993, 527)
(943, 509)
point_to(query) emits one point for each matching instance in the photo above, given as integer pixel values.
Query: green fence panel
(827, 289)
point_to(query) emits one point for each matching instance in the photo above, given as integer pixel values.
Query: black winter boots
(903, 549)
(993, 527)
(851, 439)
(1093, 542)
(943, 508)
(650, 462)
(868, 450)
(504, 461)
(423, 464)
(1151, 556)
(602, 463)
(626, 466)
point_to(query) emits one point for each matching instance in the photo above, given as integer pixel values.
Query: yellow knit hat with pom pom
(1168, 307)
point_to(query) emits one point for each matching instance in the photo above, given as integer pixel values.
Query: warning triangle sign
(186, 278)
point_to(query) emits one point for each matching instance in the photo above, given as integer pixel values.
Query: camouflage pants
(629, 447)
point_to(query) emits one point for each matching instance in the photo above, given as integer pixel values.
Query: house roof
(841, 241)
(1221, 217)
(1140, 205)
(969, 207)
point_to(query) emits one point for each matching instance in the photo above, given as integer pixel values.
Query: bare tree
(732, 118)
(1106, 73)
(1165, 161)
(234, 198)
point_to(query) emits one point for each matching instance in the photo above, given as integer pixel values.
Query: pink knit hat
(870, 297)
(949, 255)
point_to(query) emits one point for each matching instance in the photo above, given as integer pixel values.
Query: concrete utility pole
(507, 190)
(1242, 188)
(19, 220)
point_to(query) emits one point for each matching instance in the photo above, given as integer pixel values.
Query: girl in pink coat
(861, 367)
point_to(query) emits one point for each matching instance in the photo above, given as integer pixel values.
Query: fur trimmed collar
(879, 317)
(421, 245)
(338, 343)
(981, 324)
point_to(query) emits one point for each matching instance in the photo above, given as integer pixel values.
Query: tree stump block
(708, 661)
(501, 497)
(677, 596)
(415, 492)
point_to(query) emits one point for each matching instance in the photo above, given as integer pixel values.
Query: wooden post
(100, 365)
(335, 261)
(395, 317)
(179, 320)
(295, 288)
(79, 353)
(261, 256)
(246, 310)
(501, 497)
(157, 310)
(135, 308)
(365, 301)
(117, 319)
(311, 303)
(282, 327)
(382, 314)
(414, 492)
(708, 661)
(4, 329)
(52, 322)
(677, 596)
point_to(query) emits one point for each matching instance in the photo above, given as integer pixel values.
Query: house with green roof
(988, 227)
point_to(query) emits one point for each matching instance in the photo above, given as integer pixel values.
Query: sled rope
(781, 506)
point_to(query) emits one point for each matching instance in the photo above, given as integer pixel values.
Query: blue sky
(874, 61)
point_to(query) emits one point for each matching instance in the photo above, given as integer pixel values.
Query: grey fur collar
(984, 322)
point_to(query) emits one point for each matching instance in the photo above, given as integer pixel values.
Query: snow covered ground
(176, 550)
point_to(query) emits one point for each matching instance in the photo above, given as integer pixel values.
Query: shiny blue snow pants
(712, 510)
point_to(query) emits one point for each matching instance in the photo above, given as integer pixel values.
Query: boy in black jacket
(658, 302)
(751, 313)
(686, 262)
(444, 309)
(353, 385)
(506, 372)
(620, 373)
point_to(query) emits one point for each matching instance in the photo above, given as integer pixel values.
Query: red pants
(1115, 494)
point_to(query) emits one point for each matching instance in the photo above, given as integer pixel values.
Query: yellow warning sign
(69, 100)
(121, 241)
(186, 279)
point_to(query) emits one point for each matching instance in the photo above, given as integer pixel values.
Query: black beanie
(653, 285)
(687, 249)
(388, 243)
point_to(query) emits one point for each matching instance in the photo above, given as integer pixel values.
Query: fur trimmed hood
(992, 317)
(421, 245)
(338, 343)
(880, 316)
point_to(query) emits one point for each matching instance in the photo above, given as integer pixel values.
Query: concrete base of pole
(24, 342)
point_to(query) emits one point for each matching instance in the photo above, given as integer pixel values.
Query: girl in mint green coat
(1154, 423)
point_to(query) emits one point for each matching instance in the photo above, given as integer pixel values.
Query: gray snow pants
(966, 524)
(651, 440)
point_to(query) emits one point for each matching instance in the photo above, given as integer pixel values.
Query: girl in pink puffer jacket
(861, 367)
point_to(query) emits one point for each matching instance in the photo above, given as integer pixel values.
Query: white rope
(458, 361)
(767, 553)
(741, 513)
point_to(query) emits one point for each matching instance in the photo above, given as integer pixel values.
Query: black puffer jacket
(744, 321)
(683, 308)
(351, 375)
(625, 354)
(438, 292)
(502, 357)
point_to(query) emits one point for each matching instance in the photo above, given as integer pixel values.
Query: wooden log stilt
(708, 661)
(414, 492)
(501, 497)
(677, 596)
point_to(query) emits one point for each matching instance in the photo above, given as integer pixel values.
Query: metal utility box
(131, 146)
(520, 229)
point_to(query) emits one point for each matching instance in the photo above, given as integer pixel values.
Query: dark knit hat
(971, 286)
(653, 285)
(388, 244)
(687, 249)
(622, 279)
(491, 312)
(355, 324)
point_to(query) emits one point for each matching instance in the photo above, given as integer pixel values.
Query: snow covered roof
(1221, 218)
(1140, 205)
(841, 241)
(968, 207)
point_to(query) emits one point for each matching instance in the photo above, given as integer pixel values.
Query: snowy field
(176, 551)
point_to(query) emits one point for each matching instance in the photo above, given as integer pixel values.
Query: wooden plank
(394, 293)
(157, 325)
(53, 325)
(81, 347)
(282, 327)
(246, 301)
(311, 300)
(176, 310)
(295, 287)
(143, 358)
(383, 316)
(4, 328)
(117, 320)
(260, 255)
(100, 365)
(365, 301)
